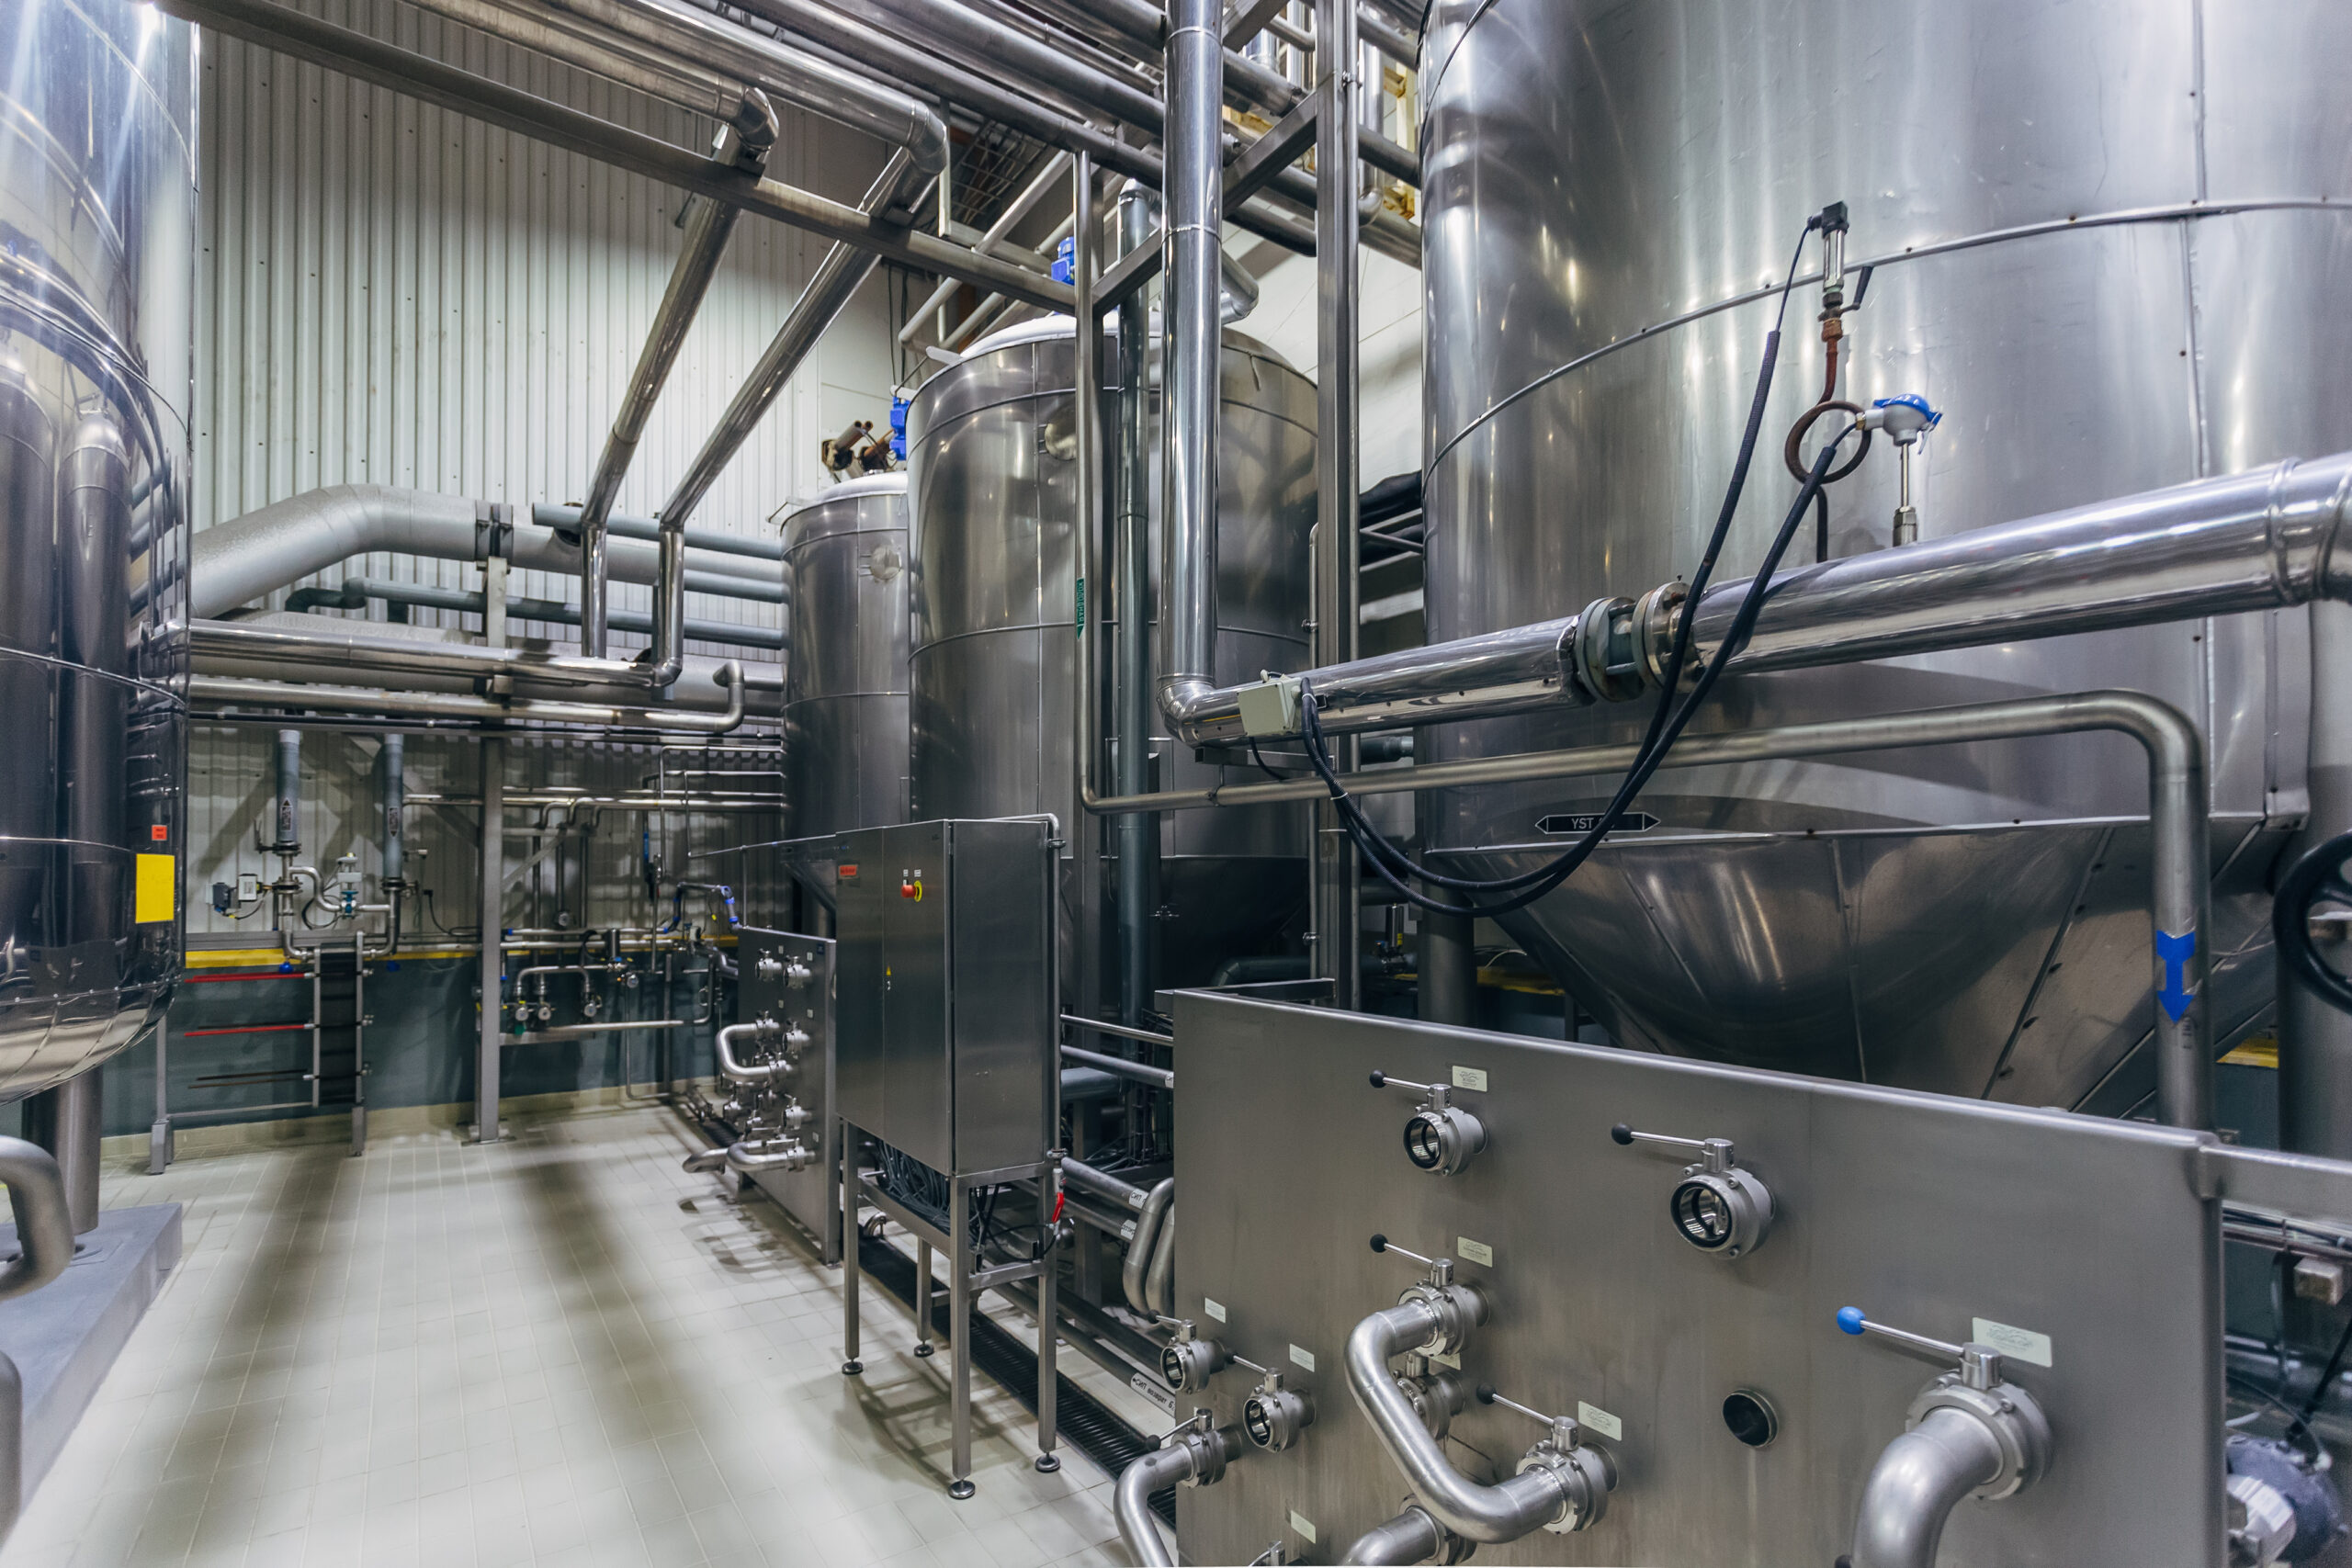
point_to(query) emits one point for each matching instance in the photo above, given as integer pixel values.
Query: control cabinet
(946, 1023)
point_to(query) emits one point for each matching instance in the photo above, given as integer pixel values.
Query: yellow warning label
(155, 896)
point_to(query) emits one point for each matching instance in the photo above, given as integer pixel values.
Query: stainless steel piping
(251, 557)
(44, 1216)
(451, 705)
(665, 80)
(1192, 247)
(2261, 540)
(1133, 1273)
(735, 1070)
(1078, 1173)
(1919, 1479)
(837, 277)
(331, 647)
(1159, 1278)
(2181, 890)
(1411, 1537)
(745, 144)
(1141, 1072)
(1131, 1502)
(357, 591)
(1055, 170)
(1512, 1508)
(790, 75)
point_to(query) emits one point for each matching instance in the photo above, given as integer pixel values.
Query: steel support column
(1333, 863)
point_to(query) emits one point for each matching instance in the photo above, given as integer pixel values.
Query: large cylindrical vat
(2098, 250)
(97, 206)
(991, 449)
(846, 661)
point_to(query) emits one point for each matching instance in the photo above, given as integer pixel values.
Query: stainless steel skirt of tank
(991, 447)
(1596, 176)
(97, 211)
(845, 662)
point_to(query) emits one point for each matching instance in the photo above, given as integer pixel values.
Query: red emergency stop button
(912, 888)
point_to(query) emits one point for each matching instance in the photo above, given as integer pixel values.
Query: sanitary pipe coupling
(1274, 1416)
(2015, 1422)
(1189, 1362)
(1656, 615)
(1586, 1476)
(1453, 1310)
(1436, 1397)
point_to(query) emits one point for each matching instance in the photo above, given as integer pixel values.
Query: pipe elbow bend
(1190, 702)
(1919, 1478)
(1131, 1502)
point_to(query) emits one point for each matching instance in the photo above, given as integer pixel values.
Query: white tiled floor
(562, 1350)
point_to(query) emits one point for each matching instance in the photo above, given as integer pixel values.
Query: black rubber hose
(2319, 874)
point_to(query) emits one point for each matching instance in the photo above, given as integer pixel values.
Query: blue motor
(2290, 1510)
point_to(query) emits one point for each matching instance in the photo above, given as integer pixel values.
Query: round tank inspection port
(1752, 1417)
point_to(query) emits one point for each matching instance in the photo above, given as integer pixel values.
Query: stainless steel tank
(845, 660)
(96, 269)
(991, 450)
(1602, 181)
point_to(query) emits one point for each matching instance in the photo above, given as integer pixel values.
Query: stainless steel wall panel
(1926, 1212)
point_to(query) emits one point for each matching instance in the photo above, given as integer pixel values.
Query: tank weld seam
(2186, 211)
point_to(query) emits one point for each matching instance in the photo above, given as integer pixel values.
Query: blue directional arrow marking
(2174, 951)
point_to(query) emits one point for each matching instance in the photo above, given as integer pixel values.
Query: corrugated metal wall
(391, 293)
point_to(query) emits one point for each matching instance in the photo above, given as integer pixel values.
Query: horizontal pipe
(2260, 540)
(621, 525)
(1121, 1031)
(735, 1070)
(289, 31)
(356, 593)
(1078, 1173)
(330, 647)
(1142, 1072)
(251, 557)
(451, 705)
(555, 1034)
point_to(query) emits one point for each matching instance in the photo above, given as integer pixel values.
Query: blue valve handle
(1853, 1320)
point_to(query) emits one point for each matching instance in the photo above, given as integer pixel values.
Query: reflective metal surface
(1952, 921)
(97, 212)
(845, 664)
(992, 455)
(1928, 1212)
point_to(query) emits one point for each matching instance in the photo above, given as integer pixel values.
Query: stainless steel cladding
(991, 449)
(845, 662)
(1740, 1426)
(2086, 292)
(96, 217)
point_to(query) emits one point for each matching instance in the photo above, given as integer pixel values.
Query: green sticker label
(1082, 606)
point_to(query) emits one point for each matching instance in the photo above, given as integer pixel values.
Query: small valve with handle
(1440, 1137)
(1969, 1433)
(1457, 1308)
(1718, 1207)
(1587, 1474)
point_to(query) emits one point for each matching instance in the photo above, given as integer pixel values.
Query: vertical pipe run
(494, 904)
(68, 1121)
(2314, 1039)
(393, 760)
(1192, 197)
(1333, 863)
(745, 144)
(285, 808)
(1447, 968)
(1139, 833)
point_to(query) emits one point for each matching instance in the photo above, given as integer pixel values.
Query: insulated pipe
(620, 525)
(1411, 1537)
(1918, 1480)
(733, 1069)
(1134, 1272)
(393, 759)
(1508, 1510)
(669, 80)
(2261, 540)
(745, 144)
(332, 647)
(44, 1217)
(837, 277)
(251, 557)
(1131, 1502)
(1193, 249)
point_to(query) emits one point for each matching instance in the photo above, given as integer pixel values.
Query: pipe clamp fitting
(2005, 1411)
(1607, 665)
(1586, 1477)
